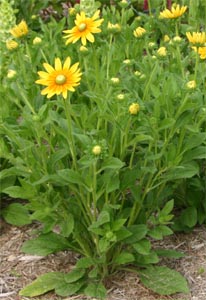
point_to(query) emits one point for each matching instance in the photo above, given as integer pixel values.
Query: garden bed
(19, 269)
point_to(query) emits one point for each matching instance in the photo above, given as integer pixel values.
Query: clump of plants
(104, 121)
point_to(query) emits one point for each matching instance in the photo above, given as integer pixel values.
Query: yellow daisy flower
(175, 12)
(139, 32)
(196, 38)
(134, 108)
(11, 44)
(20, 29)
(59, 79)
(202, 52)
(84, 29)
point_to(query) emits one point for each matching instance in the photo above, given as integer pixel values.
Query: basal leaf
(163, 280)
(16, 214)
(45, 244)
(42, 284)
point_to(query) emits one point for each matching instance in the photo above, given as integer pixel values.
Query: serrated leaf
(45, 244)
(42, 284)
(16, 214)
(96, 290)
(124, 258)
(163, 280)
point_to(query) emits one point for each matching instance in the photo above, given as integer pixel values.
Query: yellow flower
(120, 97)
(115, 80)
(191, 84)
(166, 38)
(162, 51)
(196, 38)
(37, 40)
(11, 73)
(134, 108)
(177, 39)
(175, 12)
(84, 29)
(113, 28)
(202, 52)
(11, 44)
(59, 79)
(139, 32)
(127, 61)
(20, 30)
(96, 150)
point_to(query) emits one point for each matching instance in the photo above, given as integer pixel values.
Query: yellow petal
(67, 63)
(48, 67)
(58, 64)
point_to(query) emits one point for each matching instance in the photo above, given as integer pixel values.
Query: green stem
(196, 64)
(67, 106)
(25, 99)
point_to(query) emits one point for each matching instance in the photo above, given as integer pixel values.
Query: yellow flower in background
(37, 40)
(20, 30)
(115, 80)
(59, 79)
(191, 84)
(162, 51)
(11, 73)
(84, 29)
(202, 52)
(139, 32)
(11, 44)
(113, 28)
(134, 108)
(197, 38)
(175, 12)
(96, 150)
(166, 38)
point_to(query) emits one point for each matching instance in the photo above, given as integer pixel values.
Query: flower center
(60, 79)
(82, 27)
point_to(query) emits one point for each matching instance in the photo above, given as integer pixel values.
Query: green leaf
(117, 224)
(160, 231)
(74, 275)
(68, 289)
(184, 171)
(142, 247)
(42, 284)
(67, 225)
(138, 233)
(20, 192)
(169, 253)
(96, 290)
(45, 244)
(142, 260)
(16, 214)
(166, 123)
(167, 208)
(103, 218)
(70, 176)
(163, 280)
(85, 262)
(104, 245)
(112, 163)
(189, 216)
(124, 258)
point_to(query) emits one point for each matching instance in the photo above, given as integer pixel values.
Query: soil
(19, 269)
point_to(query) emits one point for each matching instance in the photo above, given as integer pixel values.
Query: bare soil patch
(18, 269)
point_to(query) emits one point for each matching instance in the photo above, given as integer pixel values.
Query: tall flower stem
(67, 106)
(196, 64)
